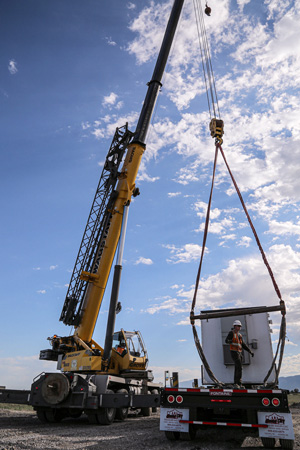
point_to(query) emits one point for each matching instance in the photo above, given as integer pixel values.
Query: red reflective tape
(220, 401)
(193, 390)
(171, 389)
(234, 424)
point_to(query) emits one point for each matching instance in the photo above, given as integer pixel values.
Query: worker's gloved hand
(252, 354)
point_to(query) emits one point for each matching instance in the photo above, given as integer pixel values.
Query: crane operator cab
(129, 351)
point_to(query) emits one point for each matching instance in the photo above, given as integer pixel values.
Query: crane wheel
(121, 413)
(103, 416)
(41, 415)
(54, 415)
(55, 388)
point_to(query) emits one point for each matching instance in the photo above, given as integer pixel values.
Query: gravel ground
(21, 430)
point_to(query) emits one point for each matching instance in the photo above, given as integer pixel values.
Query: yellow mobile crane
(101, 381)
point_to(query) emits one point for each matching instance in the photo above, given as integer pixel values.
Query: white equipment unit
(256, 335)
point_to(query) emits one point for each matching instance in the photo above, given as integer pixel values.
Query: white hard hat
(237, 322)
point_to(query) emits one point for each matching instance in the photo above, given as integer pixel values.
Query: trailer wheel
(121, 413)
(189, 435)
(172, 435)
(287, 443)
(268, 442)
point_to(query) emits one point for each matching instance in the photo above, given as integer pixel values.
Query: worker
(121, 348)
(235, 339)
(207, 10)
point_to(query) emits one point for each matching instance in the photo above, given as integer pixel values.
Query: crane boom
(102, 232)
(125, 187)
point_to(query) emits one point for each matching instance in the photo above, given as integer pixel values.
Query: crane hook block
(207, 10)
(216, 128)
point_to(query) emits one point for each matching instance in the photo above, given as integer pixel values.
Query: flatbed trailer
(258, 411)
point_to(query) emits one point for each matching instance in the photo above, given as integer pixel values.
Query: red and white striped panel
(225, 424)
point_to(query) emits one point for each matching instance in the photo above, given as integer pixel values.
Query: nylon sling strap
(252, 226)
(283, 323)
(218, 147)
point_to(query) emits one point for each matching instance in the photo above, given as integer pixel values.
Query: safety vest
(236, 344)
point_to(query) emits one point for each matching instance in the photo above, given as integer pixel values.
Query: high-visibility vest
(236, 344)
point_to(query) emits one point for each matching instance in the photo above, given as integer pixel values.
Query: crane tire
(106, 416)
(41, 415)
(54, 415)
(121, 413)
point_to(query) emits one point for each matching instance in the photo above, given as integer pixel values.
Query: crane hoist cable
(217, 131)
(208, 74)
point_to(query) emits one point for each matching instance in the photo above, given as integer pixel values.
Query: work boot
(236, 386)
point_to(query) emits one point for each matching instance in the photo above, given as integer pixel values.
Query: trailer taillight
(179, 399)
(265, 401)
(171, 398)
(275, 402)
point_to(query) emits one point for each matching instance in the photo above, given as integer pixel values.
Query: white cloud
(242, 3)
(244, 241)
(290, 365)
(12, 67)
(18, 372)
(53, 267)
(284, 228)
(110, 100)
(85, 125)
(131, 5)
(173, 194)
(146, 261)
(41, 291)
(110, 41)
(170, 305)
(184, 254)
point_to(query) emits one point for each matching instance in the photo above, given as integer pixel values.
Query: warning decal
(280, 425)
(170, 417)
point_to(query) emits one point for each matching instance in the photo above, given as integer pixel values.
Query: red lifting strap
(218, 147)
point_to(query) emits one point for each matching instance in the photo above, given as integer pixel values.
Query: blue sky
(69, 74)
